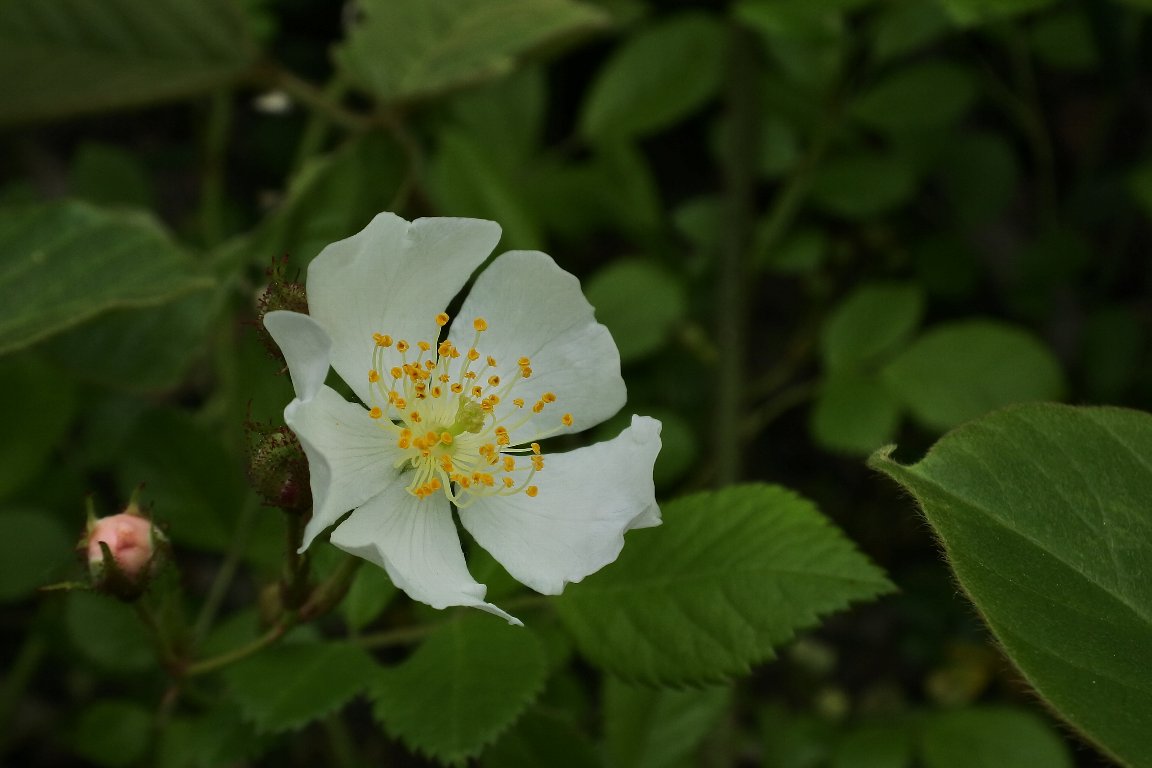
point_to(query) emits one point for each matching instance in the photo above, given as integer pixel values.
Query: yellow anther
(493, 381)
(536, 448)
(473, 355)
(457, 388)
(444, 378)
(538, 463)
(382, 339)
(491, 361)
(446, 438)
(373, 376)
(444, 349)
(539, 406)
(518, 402)
(424, 346)
(503, 439)
(523, 362)
(526, 372)
(509, 464)
(566, 419)
(431, 438)
(375, 413)
(532, 491)
(415, 416)
(401, 403)
(480, 324)
(396, 373)
(436, 391)
(477, 392)
(442, 319)
(401, 346)
(509, 482)
(471, 375)
(548, 397)
(404, 442)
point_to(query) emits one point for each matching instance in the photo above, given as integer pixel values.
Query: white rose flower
(454, 419)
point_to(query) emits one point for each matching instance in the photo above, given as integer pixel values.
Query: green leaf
(369, 595)
(403, 49)
(972, 12)
(62, 57)
(466, 181)
(34, 547)
(540, 739)
(863, 185)
(958, 371)
(37, 405)
(286, 686)
(113, 733)
(108, 632)
(980, 175)
(872, 322)
(728, 576)
(143, 350)
(854, 413)
(332, 198)
(462, 688)
(658, 727)
(922, 95)
(991, 737)
(64, 263)
(639, 302)
(105, 174)
(1043, 513)
(875, 746)
(505, 117)
(657, 76)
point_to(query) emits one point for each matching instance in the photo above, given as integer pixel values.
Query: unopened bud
(278, 468)
(123, 552)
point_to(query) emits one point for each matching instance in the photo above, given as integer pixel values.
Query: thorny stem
(742, 108)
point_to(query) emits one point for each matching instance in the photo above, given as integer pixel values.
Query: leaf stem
(212, 197)
(236, 654)
(270, 74)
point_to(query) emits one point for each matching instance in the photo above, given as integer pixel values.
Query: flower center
(452, 414)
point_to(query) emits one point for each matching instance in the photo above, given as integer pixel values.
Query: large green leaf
(540, 739)
(726, 578)
(962, 370)
(403, 49)
(66, 262)
(287, 686)
(1043, 513)
(60, 57)
(656, 77)
(464, 686)
(37, 406)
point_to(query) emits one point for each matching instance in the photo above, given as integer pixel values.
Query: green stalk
(742, 117)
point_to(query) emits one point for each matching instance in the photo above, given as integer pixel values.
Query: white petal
(535, 309)
(393, 277)
(575, 526)
(416, 541)
(306, 349)
(350, 456)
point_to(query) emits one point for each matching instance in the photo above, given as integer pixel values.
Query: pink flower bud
(130, 540)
